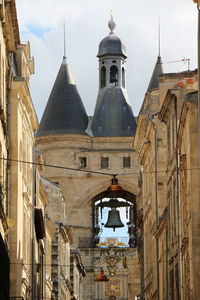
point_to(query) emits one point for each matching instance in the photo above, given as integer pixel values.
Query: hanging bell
(114, 220)
(101, 277)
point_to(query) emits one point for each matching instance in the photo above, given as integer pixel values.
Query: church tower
(113, 115)
(87, 156)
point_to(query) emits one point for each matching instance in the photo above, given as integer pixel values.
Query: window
(171, 284)
(177, 296)
(104, 162)
(123, 78)
(103, 77)
(114, 75)
(82, 162)
(126, 162)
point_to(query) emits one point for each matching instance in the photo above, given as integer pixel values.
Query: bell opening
(114, 217)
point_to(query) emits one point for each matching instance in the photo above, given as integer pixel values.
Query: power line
(92, 266)
(56, 166)
(95, 172)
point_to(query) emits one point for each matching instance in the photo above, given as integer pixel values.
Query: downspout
(177, 192)
(8, 163)
(33, 295)
(156, 202)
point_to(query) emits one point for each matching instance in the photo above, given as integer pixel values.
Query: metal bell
(114, 220)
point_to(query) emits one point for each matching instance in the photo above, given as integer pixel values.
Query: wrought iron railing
(100, 242)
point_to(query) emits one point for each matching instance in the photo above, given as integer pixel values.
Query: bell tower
(113, 116)
(88, 152)
(112, 60)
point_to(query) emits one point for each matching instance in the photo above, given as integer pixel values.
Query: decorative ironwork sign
(112, 288)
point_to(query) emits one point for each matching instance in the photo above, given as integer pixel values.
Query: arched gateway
(90, 150)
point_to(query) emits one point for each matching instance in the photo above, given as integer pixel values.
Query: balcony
(104, 242)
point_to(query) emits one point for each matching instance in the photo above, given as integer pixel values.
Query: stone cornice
(183, 116)
(10, 26)
(64, 233)
(140, 131)
(19, 84)
(43, 194)
(50, 227)
(70, 233)
(143, 150)
(166, 105)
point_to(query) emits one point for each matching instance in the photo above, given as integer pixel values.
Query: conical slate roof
(64, 112)
(158, 70)
(113, 115)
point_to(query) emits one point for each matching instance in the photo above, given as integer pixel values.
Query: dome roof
(112, 44)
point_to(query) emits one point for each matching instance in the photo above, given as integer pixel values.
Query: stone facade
(23, 122)
(28, 232)
(9, 39)
(50, 242)
(80, 188)
(64, 285)
(165, 214)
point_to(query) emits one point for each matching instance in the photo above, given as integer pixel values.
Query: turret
(158, 70)
(64, 112)
(113, 115)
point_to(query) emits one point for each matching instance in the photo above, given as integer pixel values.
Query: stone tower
(88, 153)
(113, 115)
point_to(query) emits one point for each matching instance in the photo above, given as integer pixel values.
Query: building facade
(52, 198)
(166, 215)
(87, 152)
(9, 40)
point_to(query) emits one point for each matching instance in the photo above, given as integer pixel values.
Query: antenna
(64, 40)
(184, 60)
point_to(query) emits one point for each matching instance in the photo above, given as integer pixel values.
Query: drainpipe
(198, 57)
(177, 190)
(156, 202)
(33, 279)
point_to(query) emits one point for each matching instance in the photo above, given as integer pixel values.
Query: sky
(41, 23)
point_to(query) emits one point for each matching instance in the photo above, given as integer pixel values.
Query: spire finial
(159, 35)
(111, 23)
(64, 40)
(111, 15)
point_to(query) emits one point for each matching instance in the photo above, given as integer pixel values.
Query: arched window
(103, 77)
(114, 75)
(123, 78)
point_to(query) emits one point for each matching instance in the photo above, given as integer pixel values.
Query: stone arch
(128, 186)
